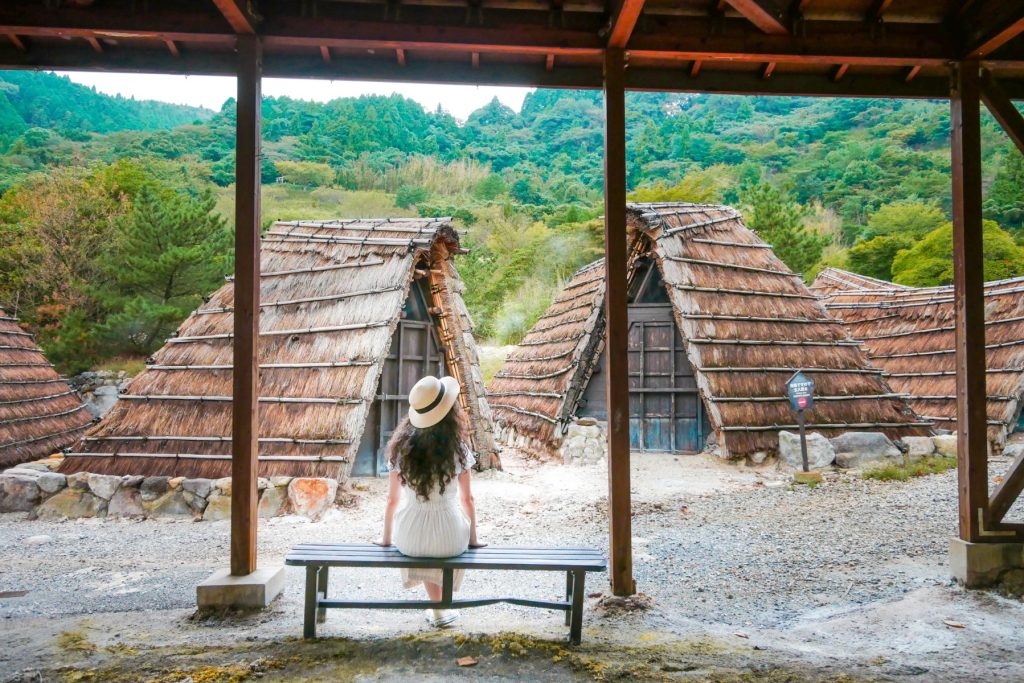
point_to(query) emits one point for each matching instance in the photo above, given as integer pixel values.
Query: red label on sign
(802, 401)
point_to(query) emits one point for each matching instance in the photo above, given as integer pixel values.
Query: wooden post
(244, 412)
(969, 295)
(617, 324)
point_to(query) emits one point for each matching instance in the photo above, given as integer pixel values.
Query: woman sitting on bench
(426, 455)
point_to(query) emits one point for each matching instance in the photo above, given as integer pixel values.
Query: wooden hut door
(415, 351)
(665, 411)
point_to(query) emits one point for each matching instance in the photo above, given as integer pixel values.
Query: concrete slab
(977, 565)
(256, 590)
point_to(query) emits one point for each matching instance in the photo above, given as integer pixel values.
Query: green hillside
(856, 183)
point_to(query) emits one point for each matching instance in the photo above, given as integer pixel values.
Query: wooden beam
(624, 22)
(768, 70)
(617, 325)
(94, 43)
(969, 301)
(840, 71)
(992, 26)
(695, 68)
(325, 54)
(549, 62)
(1003, 110)
(877, 9)
(400, 56)
(240, 19)
(172, 48)
(764, 14)
(16, 41)
(912, 73)
(1008, 491)
(245, 375)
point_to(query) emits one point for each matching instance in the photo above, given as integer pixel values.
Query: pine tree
(779, 221)
(171, 250)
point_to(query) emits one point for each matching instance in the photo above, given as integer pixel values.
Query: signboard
(800, 389)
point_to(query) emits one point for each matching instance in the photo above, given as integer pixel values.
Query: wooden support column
(244, 413)
(969, 296)
(616, 324)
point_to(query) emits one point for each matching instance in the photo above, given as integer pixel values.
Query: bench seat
(317, 558)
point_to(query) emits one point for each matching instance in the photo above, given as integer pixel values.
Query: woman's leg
(433, 590)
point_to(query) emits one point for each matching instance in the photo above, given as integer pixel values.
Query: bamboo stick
(32, 381)
(546, 375)
(43, 417)
(936, 418)
(553, 341)
(563, 323)
(36, 398)
(193, 456)
(532, 394)
(733, 266)
(269, 366)
(26, 365)
(307, 300)
(771, 342)
(218, 439)
(835, 425)
(316, 269)
(11, 444)
(771, 399)
(292, 236)
(929, 330)
(16, 333)
(951, 373)
(743, 292)
(521, 411)
(952, 397)
(911, 354)
(227, 399)
(667, 232)
(538, 359)
(852, 371)
(758, 319)
(726, 243)
(283, 333)
(8, 347)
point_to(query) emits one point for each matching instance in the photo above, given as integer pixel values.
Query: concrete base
(253, 590)
(977, 565)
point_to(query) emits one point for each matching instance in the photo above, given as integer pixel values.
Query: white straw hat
(430, 399)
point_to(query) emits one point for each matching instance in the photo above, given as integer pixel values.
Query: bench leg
(309, 614)
(321, 590)
(447, 586)
(568, 596)
(576, 625)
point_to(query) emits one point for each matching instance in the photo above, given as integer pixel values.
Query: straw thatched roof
(39, 411)
(331, 295)
(747, 323)
(909, 332)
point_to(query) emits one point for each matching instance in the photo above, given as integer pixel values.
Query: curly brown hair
(425, 457)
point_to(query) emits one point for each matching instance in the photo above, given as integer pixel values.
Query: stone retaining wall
(37, 489)
(99, 390)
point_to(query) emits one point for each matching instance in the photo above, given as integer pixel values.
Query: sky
(211, 91)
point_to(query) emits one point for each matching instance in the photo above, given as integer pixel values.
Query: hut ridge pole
(617, 324)
(245, 405)
(969, 300)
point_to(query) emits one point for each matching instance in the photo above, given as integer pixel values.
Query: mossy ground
(906, 470)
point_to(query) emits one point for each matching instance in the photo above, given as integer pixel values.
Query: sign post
(800, 389)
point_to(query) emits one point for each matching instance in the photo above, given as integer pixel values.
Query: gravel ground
(849, 576)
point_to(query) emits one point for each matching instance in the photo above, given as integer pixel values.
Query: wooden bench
(318, 558)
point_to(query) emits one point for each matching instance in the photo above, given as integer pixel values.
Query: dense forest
(115, 213)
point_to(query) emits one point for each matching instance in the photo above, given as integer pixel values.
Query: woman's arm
(394, 489)
(466, 495)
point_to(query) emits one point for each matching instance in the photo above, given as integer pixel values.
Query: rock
(758, 457)
(199, 487)
(311, 496)
(154, 487)
(104, 485)
(20, 470)
(856, 449)
(127, 502)
(72, 504)
(918, 446)
(819, 451)
(78, 481)
(18, 493)
(175, 483)
(273, 501)
(38, 467)
(280, 481)
(51, 482)
(945, 445)
(1013, 450)
(132, 481)
(170, 504)
(586, 422)
(262, 483)
(223, 485)
(41, 539)
(218, 507)
(196, 503)
(103, 399)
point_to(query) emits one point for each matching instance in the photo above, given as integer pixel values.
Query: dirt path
(749, 578)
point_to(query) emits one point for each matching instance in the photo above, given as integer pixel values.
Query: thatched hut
(39, 412)
(717, 325)
(908, 331)
(352, 313)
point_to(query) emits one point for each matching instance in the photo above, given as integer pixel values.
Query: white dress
(436, 527)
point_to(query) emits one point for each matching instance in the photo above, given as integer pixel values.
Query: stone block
(1013, 450)
(126, 502)
(758, 457)
(18, 493)
(280, 481)
(104, 485)
(857, 449)
(174, 483)
(154, 487)
(273, 501)
(132, 481)
(255, 590)
(38, 467)
(51, 482)
(918, 446)
(218, 507)
(200, 487)
(72, 504)
(977, 565)
(197, 504)
(78, 481)
(223, 485)
(819, 450)
(945, 445)
(310, 496)
(171, 504)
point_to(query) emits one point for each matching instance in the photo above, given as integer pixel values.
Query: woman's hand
(383, 542)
